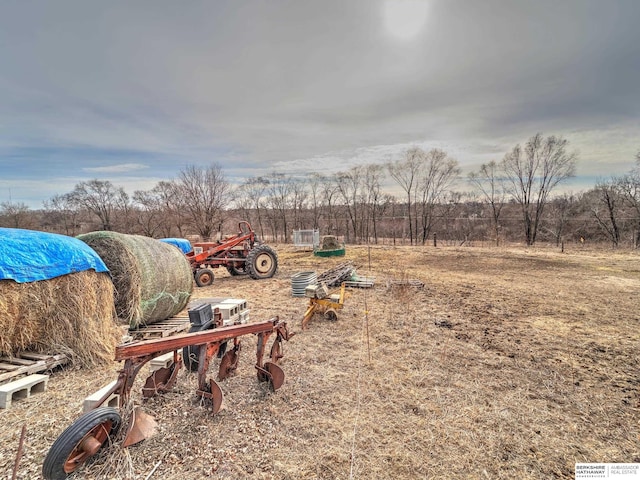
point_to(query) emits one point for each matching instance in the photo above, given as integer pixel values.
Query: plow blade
(277, 375)
(214, 396)
(271, 373)
(228, 364)
(142, 426)
(161, 380)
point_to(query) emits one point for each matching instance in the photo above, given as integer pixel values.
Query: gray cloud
(271, 85)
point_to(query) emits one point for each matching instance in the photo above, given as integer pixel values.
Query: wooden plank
(8, 366)
(163, 328)
(16, 361)
(35, 368)
(34, 356)
(47, 363)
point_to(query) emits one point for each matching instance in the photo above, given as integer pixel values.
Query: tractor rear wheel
(262, 262)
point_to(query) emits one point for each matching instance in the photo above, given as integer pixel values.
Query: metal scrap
(356, 281)
(336, 275)
(405, 283)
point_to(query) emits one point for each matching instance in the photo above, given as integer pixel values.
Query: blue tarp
(182, 243)
(28, 256)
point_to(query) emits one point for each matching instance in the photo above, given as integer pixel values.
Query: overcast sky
(134, 91)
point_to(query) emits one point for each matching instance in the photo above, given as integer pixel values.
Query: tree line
(510, 200)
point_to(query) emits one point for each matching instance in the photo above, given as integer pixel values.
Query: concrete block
(92, 399)
(163, 361)
(22, 388)
(227, 310)
(240, 302)
(316, 291)
(234, 320)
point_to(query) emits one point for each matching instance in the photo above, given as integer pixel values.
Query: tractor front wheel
(262, 262)
(204, 277)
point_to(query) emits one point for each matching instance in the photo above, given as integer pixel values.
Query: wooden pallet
(27, 363)
(161, 329)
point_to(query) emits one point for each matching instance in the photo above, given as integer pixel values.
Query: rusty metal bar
(221, 334)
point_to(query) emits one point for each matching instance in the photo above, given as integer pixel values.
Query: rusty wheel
(331, 315)
(80, 441)
(204, 277)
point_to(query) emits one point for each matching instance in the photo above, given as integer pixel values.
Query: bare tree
(373, 198)
(249, 198)
(405, 173)
(437, 175)
(62, 214)
(560, 210)
(606, 208)
(329, 192)
(158, 209)
(533, 172)
(315, 193)
(629, 186)
(349, 186)
(203, 193)
(102, 199)
(16, 215)
(279, 200)
(299, 197)
(489, 183)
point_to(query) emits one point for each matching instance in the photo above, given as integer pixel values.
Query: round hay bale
(55, 297)
(71, 314)
(153, 280)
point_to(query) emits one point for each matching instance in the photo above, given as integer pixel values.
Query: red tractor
(240, 254)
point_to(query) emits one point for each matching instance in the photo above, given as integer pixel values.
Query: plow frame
(137, 354)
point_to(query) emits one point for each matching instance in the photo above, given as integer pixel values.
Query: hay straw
(434, 402)
(72, 314)
(152, 279)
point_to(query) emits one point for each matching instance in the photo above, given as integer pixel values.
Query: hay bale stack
(153, 280)
(71, 314)
(55, 297)
(330, 242)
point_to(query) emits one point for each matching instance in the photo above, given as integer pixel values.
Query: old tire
(233, 270)
(262, 262)
(204, 277)
(191, 357)
(80, 441)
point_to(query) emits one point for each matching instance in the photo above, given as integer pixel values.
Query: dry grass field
(509, 363)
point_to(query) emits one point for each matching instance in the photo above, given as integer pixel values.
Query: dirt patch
(509, 363)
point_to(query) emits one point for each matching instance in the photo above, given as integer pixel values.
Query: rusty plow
(97, 427)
